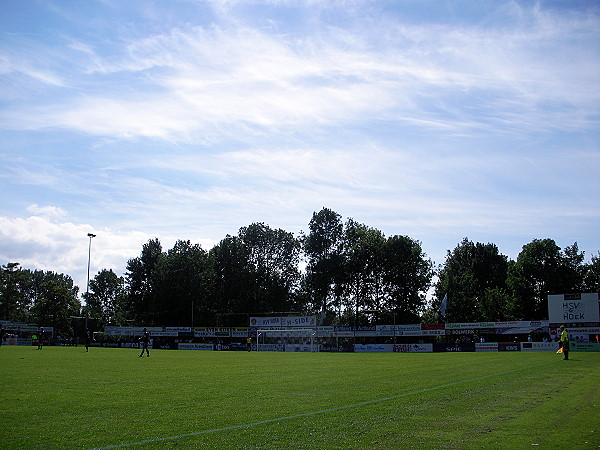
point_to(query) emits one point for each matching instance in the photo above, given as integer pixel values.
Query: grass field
(62, 397)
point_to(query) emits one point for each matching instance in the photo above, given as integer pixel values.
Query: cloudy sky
(188, 119)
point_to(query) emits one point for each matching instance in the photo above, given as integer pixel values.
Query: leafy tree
(14, 303)
(591, 275)
(474, 279)
(407, 276)
(230, 281)
(181, 286)
(57, 303)
(497, 305)
(273, 258)
(573, 268)
(362, 274)
(140, 280)
(106, 297)
(542, 269)
(46, 298)
(363, 251)
(323, 250)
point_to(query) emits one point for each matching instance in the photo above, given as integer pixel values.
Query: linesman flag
(444, 305)
(560, 350)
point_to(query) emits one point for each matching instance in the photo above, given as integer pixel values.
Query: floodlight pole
(87, 289)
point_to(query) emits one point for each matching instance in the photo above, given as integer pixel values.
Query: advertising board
(539, 346)
(413, 348)
(239, 332)
(585, 347)
(186, 346)
(573, 308)
(325, 331)
(301, 348)
(270, 347)
(486, 347)
(373, 348)
(211, 332)
(509, 346)
(287, 321)
(454, 326)
(14, 340)
(461, 347)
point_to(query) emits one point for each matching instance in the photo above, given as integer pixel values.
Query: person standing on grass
(564, 342)
(249, 342)
(41, 338)
(145, 339)
(88, 338)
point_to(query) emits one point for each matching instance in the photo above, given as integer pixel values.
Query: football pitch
(63, 397)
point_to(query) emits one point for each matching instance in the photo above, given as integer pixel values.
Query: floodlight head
(91, 235)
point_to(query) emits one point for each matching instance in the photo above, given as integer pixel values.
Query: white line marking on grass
(313, 413)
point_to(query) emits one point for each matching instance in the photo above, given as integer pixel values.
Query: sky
(188, 119)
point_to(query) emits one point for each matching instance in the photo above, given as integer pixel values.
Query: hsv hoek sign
(573, 308)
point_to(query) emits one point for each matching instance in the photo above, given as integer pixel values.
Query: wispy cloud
(134, 120)
(193, 82)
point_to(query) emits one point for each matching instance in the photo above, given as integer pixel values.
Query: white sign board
(573, 308)
(287, 321)
(185, 346)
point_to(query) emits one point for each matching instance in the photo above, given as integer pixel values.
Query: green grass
(66, 398)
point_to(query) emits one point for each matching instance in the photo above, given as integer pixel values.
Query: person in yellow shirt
(564, 342)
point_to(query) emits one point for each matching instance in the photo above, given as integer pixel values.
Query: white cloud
(45, 243)
(428, 129)
(51, 212)
(197, 83)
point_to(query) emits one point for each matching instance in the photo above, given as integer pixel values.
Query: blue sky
(189, 119)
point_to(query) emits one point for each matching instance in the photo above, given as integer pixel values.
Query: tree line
(347, 273)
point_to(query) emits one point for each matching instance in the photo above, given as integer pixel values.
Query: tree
(14, 303)
(106, 297)
(323, 249)
(407, 274)
(181, 286)
(363, 274)
(273, 258)
(591, 275)
(140, 281)
(542, 269)
(573, 268)
(46, 298)
(363, 252)
(230, 280)
(57, 303)
(474, 279)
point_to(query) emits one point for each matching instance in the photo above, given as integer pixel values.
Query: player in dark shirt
(41, 339)
(88, 339)
(145, 339)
